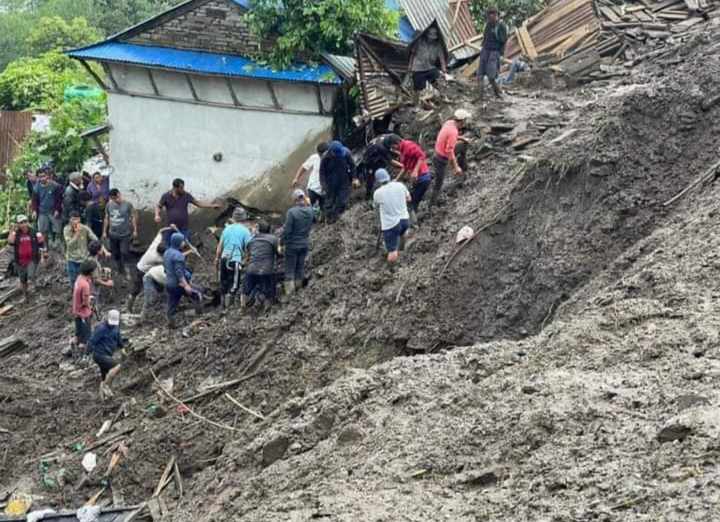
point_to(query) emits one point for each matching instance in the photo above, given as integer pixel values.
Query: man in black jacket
(337, 176)
(296, 240)
(493, 48)
(71, 197)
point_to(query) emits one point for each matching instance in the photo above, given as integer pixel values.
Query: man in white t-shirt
(391, 200)
(312, 165)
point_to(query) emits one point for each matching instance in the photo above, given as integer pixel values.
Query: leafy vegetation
(306, 27)
(52, 33)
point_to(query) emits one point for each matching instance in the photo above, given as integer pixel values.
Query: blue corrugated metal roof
(405, 30)
(243, 3)
(202, 62)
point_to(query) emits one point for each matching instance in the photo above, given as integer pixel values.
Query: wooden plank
(94, 75)
(575, 37)
(276, 102)
(109, 74)
(152, 82)
(665, 4)
(692, 5)
(192, 87)
(529, 45)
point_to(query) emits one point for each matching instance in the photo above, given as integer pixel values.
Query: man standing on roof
(428, 59)
(229, 255)
(312, 166)
(337, 176)
(493, 48)
(391, 200)
(445, 151)
(296, 241)
(175, 203)
(413, 165)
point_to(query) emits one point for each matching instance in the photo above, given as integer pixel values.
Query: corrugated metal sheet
(202, 62)
(382, 65)
(343, 65)
(555, 29)
(106, 515)
(14, 128)
(455, 30)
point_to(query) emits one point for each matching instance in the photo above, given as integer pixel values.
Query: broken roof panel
(454, 17)
(343, 65)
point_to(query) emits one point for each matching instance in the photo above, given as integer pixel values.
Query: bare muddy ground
(596, 304)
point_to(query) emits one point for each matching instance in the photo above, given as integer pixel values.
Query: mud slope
(609, 414)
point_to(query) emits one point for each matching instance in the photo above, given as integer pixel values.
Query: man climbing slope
(296, 240)
(229, 255)
(445, 154)
(104, 342)
(337, 176)
(177, 283)
(391, 200)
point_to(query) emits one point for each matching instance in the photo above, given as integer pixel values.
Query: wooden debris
(243, 408)
(220, 387)
(111, 438)
(10, 345)
(709, 174)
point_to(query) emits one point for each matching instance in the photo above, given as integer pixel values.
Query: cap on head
(21, 218)
(239, 214)
(462, 115)
(382, 176)
(113, 317)
(298, 194)
(75, 176)
(177, 240)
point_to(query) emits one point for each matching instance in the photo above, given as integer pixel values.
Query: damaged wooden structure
(594, 39)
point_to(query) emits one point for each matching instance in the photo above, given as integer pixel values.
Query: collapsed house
(185, 100)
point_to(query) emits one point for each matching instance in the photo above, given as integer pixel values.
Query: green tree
(307, 27)
(512, 12)
(14, 30)
(39, 83)
(56, 34)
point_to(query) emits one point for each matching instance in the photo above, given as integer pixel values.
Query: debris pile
(598, 39)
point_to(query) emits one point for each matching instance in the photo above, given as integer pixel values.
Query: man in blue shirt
(229, 255)
(177, 276)
(103, 344)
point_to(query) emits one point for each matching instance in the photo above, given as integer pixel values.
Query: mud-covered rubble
(616, 289)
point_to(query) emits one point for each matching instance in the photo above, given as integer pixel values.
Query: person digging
(104, 343)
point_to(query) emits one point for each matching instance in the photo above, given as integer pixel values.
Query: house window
(215, 13)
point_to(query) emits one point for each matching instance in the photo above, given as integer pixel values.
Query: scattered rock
(530, 389)
(685, 402)
(349, 436)
(478, 479)
(674, 431)
(274, 450)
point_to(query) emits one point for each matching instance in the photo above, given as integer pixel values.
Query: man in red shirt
(413, 165)
(445, 151)
(29, 248)
(82, 304)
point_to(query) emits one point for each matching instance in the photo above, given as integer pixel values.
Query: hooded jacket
(337, 168)
(174, 261)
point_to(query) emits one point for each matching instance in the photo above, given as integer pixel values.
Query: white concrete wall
(153, 141)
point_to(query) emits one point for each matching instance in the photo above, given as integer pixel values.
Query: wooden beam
(94, 75)
(319, 99)
(528, 43)
(274, 97)
(109, 74)
(233, 95)
(152, 82)
(192, 87)
(216, 104)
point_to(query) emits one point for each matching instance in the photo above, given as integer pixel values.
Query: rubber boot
(496, 89)
(289, 287)
(298, 285)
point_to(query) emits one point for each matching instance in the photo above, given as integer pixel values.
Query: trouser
(25, 273)
(440, 164)
(73, 271)
(151, 290)
(174, 296)
(256, 285)
(83, 329)
(138, 283)
(316, 199)
(422, 78)
(418, 191)
(295, 263)
(120, 250)
(50, 227)
(370, 171)
(230, 276)
(336, 201)
(489, 66)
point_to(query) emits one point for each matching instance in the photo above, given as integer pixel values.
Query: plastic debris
(35, 516)
(19, 505)
(466, 233)
(89, 462)
(89, 514)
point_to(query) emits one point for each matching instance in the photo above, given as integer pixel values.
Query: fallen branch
(178, 479)
(111, 438)
(243, 408)
(707, 175)
(220, 387)
(190, 411)
(165, 477)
